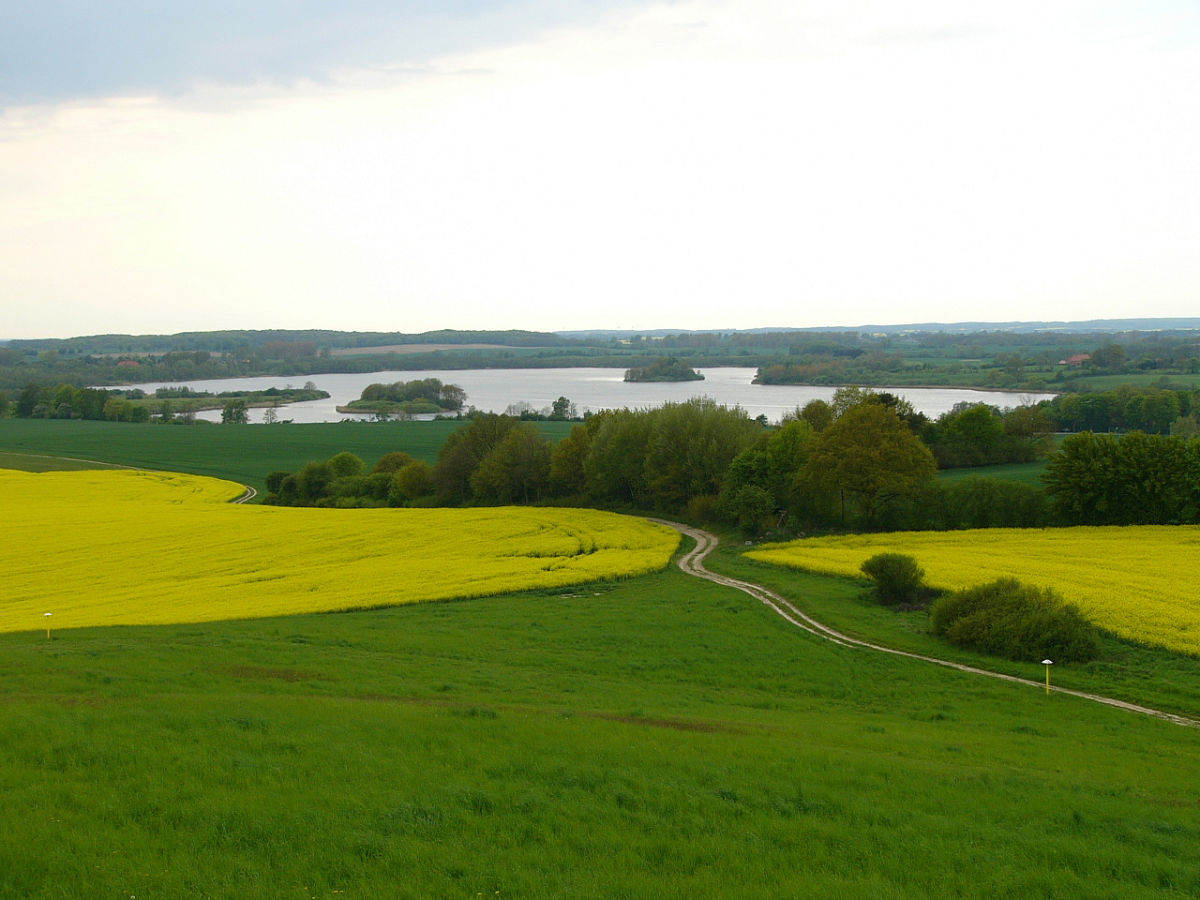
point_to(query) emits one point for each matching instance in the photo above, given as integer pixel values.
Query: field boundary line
(98, 462)
(692, 563)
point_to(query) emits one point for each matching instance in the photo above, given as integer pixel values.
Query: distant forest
(1059, 358)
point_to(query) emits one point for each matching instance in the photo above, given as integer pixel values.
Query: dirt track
(692, 562)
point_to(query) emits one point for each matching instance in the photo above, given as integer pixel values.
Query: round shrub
(898, 579)
(1016, 621)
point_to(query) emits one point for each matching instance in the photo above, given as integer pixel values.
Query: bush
(1016, 621)
(898, 579)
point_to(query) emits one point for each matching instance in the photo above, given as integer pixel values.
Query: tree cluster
(344, 481)
(1132, 479)
(65, 401)
(669, 368)
(1154, 410)
(975, 434)
(419, 395)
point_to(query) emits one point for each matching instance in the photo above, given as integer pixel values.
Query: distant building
(1077, 360)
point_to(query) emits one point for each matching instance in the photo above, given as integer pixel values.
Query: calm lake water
(494, 390)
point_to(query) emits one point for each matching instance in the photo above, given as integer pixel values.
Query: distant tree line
(1012, 359)
(65, 401)
(857, 462)
(166, 405)
(1154, 410)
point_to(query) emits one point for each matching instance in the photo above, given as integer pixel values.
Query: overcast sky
(406, 166)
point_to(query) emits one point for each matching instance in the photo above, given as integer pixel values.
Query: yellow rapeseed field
(1136, 581)
(132, 547)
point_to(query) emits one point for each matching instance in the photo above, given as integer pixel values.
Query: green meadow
(648, 738)
(661, 737)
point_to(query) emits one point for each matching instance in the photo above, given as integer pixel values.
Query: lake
(590, 389)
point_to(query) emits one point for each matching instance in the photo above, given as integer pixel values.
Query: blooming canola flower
(1136, 581)
(134, 547)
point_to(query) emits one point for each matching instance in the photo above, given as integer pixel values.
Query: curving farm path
(692, 563)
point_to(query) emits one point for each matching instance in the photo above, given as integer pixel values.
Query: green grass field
(660, 737)
(649, 738)
(1026, 473)
(242, 453)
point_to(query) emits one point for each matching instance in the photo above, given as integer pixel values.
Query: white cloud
(700, 164)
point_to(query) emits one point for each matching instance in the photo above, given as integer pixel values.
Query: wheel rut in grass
(692, 563)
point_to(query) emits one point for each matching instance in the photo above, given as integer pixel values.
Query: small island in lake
(408, 398)
(669, 368)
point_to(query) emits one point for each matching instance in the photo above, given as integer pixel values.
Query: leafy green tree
(115, 408)
(65, 401)
(347, 465)
(749, 507)
(517, 470)
(818, 414)
(274, 481)
(411, 483)
(567, 475)
(690, 447)
(27, 401)
(561, 408)
(787, 449)
(615, 467)
(970, 434)
(462, 453)
(1186, 426)
(90, 402)
(1153, 411)
(452, 397)
(313, 483)
(865, 460)
(979, 502)
(1031, 428)
(393, 462)
(1111, 357)
(235, 412)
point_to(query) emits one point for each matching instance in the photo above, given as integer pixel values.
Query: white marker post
(1047, 663)
(47, 626)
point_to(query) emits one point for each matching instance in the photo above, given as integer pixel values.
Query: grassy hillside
(653, 738)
